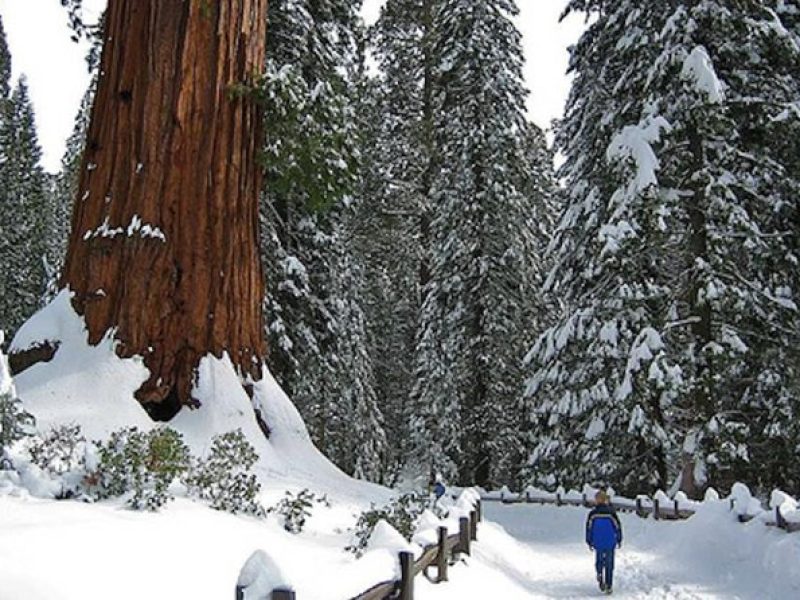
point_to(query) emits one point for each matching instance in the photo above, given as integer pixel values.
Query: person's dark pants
(604, 564)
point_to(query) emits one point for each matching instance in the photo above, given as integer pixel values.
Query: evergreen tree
(542, 196)
(22, 210)
(660, 363)
(472, 330)
(317, 328)
(361, 429)
(393, 214)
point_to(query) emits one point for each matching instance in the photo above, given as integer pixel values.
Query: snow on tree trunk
(164, 244)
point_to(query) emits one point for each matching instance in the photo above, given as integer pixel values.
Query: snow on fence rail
(440, 555)
(662, 507)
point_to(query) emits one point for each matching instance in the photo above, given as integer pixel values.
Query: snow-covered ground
(531, 551)
(70, 550)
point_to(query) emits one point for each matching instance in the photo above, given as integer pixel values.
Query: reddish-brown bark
(170, 145)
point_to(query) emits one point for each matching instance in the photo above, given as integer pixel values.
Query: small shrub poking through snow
(15, 422)
(295, 509)
(401, 513)
(142, 463)
(145, 468)
(224, 477)
(62, 454)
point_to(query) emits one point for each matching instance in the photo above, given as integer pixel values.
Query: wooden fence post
(677, 510)
(473, 526)
(283, 594)
(585, 501)
(656, 509)
(406, 576)
(479, 510)
(442, 558)
(239, 592)
(463, 536)
(780, 521)
(558, 498)
(638, 506)
(528, 496)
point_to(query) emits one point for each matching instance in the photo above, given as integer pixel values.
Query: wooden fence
(439, 555)
(642, 506)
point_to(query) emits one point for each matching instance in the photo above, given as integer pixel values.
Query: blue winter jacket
(438, 489)
(603, 529)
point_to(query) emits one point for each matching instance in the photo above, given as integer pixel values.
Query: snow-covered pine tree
(359, 438)
(385, 245)
(393, 215)
(6, 216)
(588, 424)
(542, 195)
(789, 13)
(62, 195)
(309, 167)
(726, 82)
(15, 422)
(675, 346)
(23, 189)
(317, 329)
(5, 66)
(472, 333)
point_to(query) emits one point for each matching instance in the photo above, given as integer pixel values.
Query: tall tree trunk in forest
(702, 394)
(164, 243)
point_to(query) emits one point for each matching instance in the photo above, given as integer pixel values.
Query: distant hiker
(603, 534)
(438, 488)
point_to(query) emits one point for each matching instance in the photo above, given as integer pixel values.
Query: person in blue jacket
(438, 487)
(603, 535)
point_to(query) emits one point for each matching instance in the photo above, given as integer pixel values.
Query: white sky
(38, 38)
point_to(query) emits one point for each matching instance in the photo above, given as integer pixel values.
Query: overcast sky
(54, 66)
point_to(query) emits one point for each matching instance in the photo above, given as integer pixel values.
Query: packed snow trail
(531, 551)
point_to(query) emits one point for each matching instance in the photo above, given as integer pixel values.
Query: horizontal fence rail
(439, 556)
(642, 506)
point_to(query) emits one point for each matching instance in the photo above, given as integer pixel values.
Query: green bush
(60, 451)
(295, 509)
(401, 513)
(15, 424)
(62, 454)
(224, 478)
(144, 464)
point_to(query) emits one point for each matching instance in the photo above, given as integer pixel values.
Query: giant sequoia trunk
(164, 245)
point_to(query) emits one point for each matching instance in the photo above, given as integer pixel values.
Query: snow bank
(385, 538)
(743, 502)
(710, 556)
(83, 384)
(259, 576)
(94, 388)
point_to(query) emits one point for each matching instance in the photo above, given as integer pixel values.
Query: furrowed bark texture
(163, 251)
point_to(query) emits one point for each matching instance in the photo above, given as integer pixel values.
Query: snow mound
(259, 576)
(427, 529)
(743, 502)
(386, 537)
(83, 384)
(93, 387)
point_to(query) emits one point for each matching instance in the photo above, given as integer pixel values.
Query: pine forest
(441, 287)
